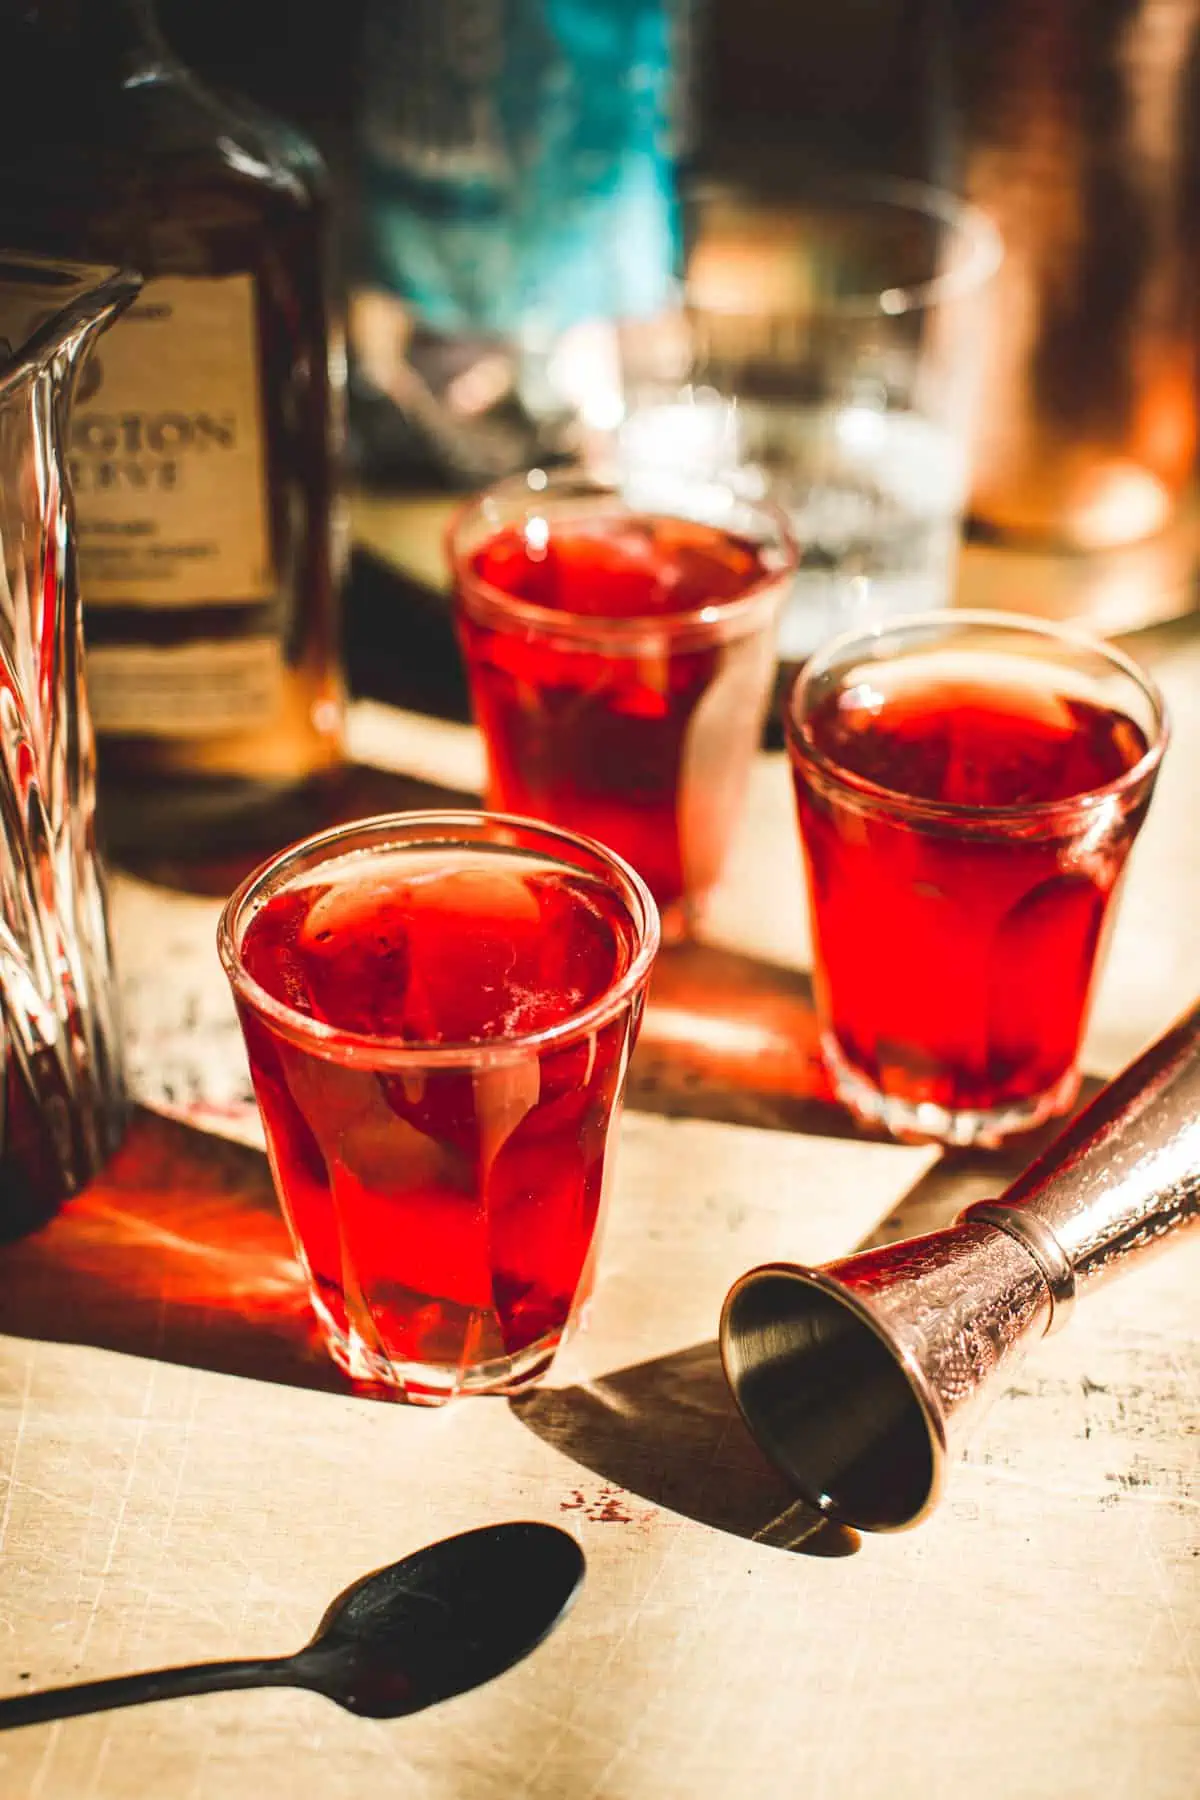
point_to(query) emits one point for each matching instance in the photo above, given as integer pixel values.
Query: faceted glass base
(924, 1122)
(433, 1384)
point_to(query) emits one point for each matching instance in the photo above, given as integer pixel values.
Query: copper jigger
(861, 1378)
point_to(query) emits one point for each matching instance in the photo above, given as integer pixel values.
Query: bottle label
(184, 690)
(166, 453)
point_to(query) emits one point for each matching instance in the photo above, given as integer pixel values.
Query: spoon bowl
(443, 1621)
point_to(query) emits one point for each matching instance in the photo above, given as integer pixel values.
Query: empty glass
(833, 350)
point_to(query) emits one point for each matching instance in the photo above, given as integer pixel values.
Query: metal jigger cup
(861, 1379)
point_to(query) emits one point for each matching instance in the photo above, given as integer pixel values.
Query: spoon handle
(150, 1684)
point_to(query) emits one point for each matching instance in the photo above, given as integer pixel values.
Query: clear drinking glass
(62, 1101)
(968, 787)
(620, 662)
(832, 351)
(438, 1010)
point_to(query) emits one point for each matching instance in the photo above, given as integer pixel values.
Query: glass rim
(485, 601)
(894, 800)
(384, 1053)
(985, 243)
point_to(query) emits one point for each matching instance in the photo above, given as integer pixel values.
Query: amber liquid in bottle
(203, 446)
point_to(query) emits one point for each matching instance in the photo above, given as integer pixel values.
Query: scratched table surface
(182, 1475)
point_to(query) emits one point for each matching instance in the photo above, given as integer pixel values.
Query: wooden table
(182, 1475)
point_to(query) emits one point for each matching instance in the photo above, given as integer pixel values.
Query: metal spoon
(446, 1619)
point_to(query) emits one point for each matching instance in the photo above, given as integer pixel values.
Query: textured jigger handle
(859, 1378)
(1123, 1176)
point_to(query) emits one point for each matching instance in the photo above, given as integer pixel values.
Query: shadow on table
(960, 1177)
(669, 1430)
(177, 1252)
(733, 1038)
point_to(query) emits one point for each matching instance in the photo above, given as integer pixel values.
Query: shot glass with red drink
(968, 788)
(438, 1010)
(620, 662)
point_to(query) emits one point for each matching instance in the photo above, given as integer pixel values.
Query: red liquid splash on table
(955, 959)
(446, 1215)
(644, 745)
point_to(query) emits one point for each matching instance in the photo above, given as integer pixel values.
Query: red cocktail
(620, 665)
(968, 788)
(438, 1010)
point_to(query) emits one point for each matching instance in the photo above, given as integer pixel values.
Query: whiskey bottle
(204, 440)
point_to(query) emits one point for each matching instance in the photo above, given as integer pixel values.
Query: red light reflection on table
(730, 1037)
(177, 1251)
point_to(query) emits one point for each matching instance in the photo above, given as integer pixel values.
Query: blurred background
(924, 271)
(869, 80)
(1074, 124)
